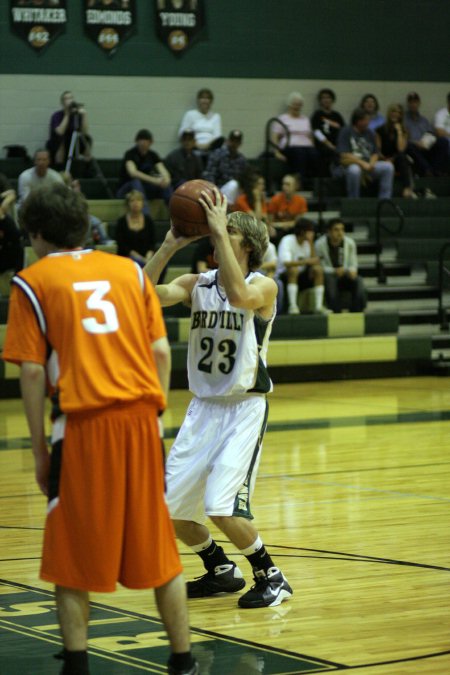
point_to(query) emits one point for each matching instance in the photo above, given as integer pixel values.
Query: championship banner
(109, 22)
(38, 22)
(179, 23)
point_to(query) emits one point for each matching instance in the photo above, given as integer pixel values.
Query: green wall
(301, 39)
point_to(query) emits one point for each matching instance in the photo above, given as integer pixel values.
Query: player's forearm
(163, 360)
(32, 383)
(159, 260)
(230, 273)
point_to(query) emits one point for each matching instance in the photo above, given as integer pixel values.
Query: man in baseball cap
(429, 152)
(226, 164)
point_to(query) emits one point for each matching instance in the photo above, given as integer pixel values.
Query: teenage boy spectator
(183, 163)
(359, 158)
(337, 253)
(299, 263)
(143, 170)
(285, 207)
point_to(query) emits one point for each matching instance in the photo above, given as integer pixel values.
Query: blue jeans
(383, 173)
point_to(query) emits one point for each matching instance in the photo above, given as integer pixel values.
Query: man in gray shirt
(337, 253)
(39, 175)
(359, 158)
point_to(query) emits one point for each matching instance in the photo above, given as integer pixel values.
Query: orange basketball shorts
(107, 520)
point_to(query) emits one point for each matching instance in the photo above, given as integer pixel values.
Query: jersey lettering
(226, 347)
(95, 302)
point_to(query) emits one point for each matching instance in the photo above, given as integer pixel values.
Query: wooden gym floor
(353, 502)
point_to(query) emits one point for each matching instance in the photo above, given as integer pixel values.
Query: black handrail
(442, 312)
(269, 144)
(381, 274)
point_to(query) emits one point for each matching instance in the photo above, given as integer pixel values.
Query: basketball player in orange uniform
(91, 325)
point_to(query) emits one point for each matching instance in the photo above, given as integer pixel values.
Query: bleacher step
(402, 292)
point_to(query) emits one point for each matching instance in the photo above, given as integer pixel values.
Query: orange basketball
(187, 214)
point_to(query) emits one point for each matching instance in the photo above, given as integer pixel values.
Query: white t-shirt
(207, 127)
(442, 120)
(290, 250)
(270, 255)
(29, 180)
(227, 345)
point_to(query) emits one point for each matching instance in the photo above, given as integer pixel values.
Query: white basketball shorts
(211, 468)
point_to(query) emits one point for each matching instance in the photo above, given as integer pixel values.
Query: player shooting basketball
(212, 466)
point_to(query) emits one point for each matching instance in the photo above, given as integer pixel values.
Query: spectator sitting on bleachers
(7, 196)
(428, 151)
(369, 103)
(97, 230)
(269, 267)
(326, 124)
(203, 258)
(225, 166)
(143, 170)
(359, 158)
(135, 232)
(285, 207)
(392, 142)
(442, 123)
(253, 198)
(11, 252)
(299, 264)
(206, 124)
(338, 256)
(297, 148)
(183, 163)
(39, 175)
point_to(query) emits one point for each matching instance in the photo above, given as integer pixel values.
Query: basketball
(187, 214)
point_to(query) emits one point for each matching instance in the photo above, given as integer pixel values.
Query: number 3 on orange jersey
(94, 301)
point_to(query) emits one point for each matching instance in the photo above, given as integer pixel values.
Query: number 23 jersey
(227, 345)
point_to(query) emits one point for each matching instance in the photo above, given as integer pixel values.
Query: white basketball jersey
(227, 345)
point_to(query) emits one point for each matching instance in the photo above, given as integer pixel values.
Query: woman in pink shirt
(294, 139)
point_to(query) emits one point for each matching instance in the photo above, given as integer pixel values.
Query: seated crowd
(366, 154)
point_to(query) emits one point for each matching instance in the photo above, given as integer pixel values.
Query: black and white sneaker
(270, 589)
(225, 579)
(194, 670)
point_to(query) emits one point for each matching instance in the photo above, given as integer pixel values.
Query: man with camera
(63, 123)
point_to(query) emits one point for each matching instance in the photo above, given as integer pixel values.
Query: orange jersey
(284, 209)
(241, 204)
(91, 319)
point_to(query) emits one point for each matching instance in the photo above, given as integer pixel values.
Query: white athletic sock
(292, 292)
(318, 296)
(202, 547)
(257, 544)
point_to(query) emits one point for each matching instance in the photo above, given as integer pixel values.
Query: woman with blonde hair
(135, 232)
